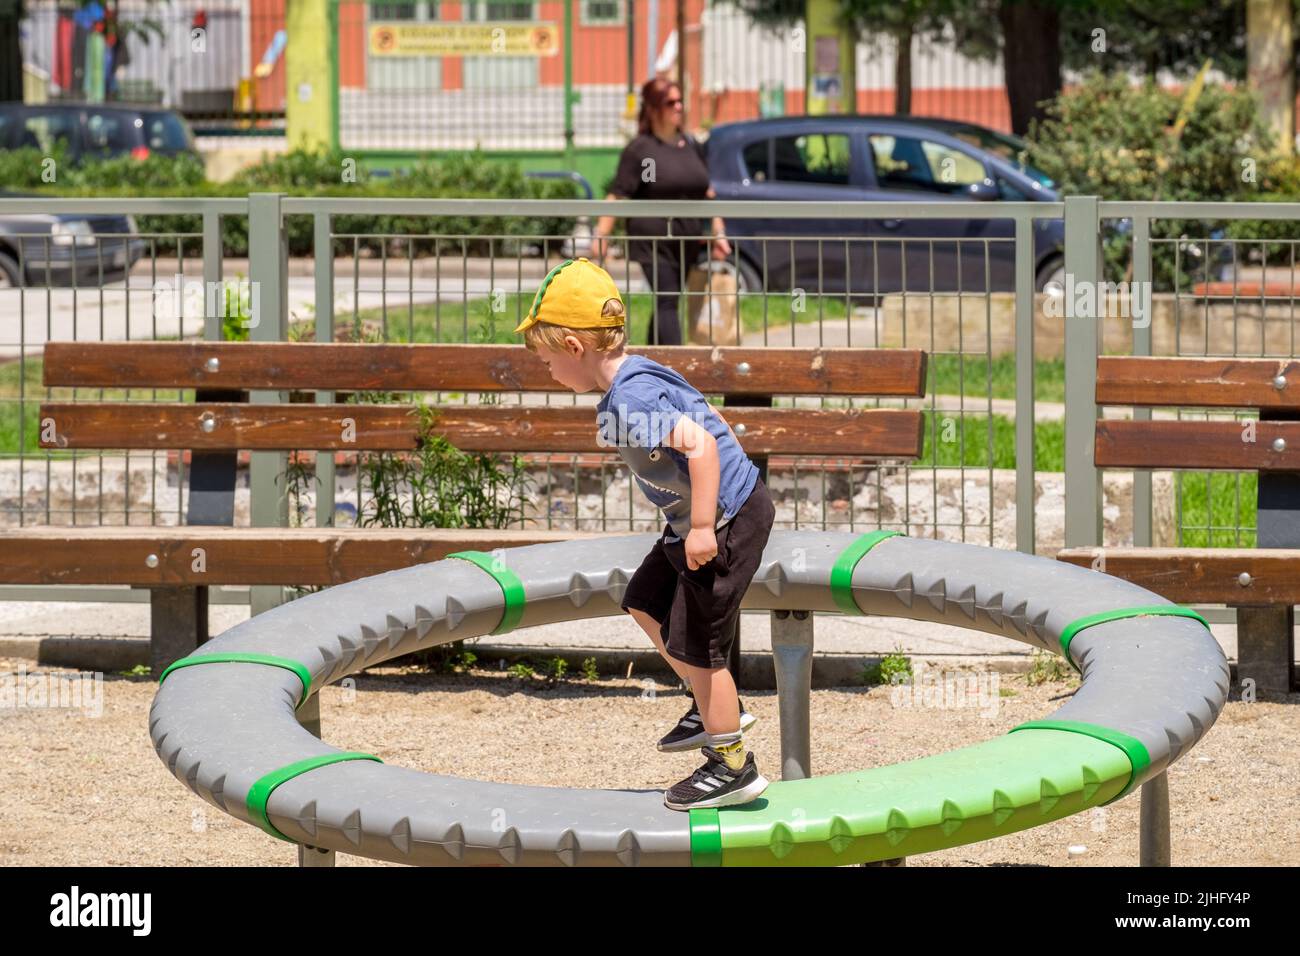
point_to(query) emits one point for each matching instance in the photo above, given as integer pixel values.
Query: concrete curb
(104, 654)
(756, 670)
(757, 673)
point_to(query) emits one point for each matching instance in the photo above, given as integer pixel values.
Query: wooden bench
(219, 424)
(1262, 583)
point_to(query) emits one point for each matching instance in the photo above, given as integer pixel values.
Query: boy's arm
(701, 451)
(727, 423)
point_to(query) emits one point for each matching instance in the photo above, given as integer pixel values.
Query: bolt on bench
(1262, 583)
(218, 425)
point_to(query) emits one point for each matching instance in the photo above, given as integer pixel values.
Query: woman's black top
(680, 172)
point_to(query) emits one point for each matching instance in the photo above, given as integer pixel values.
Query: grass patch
(977, 441)
(951, 374)
(1045, 667)
(895, 668)
(1213, 505)
(453, 322)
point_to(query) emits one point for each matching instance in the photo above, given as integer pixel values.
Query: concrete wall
(973, 322)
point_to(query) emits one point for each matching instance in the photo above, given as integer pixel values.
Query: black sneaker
(717, 785)
(689, 734)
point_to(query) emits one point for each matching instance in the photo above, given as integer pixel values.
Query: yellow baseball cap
(573, 294)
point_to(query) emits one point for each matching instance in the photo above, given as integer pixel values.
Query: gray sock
(722, 740)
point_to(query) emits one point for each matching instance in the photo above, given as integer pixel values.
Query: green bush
(27, 170)
(1112, 138)
(895, 668)
(440, 486)
(471, 175)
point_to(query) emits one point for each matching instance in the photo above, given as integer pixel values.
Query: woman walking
(663, 162)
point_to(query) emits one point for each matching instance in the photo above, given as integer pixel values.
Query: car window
(111, 132)
(42, 130)
(758, 160)
(1013, 151)
(903, 162)
(1010, 192)
(813, 158)
(165, 131)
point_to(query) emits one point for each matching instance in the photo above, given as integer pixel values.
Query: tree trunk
(903, 73)
(1031, 57)
(1270, 60)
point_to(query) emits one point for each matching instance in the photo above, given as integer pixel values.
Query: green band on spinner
(842, 571)
(1133, 748)
(1104, 617)
(706, 837)
(511, 587)
(260, 792)
(235, 658)
(541, 291)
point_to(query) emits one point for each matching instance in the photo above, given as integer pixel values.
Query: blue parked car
(866, 158)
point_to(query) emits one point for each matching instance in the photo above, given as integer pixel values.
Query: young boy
(687, 593)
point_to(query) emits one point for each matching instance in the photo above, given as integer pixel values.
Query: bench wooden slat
(884, 433)
(466, 367)
(1200, 575)
(1197, 382)
(237, 556)
(1207, 445)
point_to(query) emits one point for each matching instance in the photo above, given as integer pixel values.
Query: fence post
(1025, 475)
(323, 251)
(1082, 345)
(267, 269)
(212, 271)
(1142, 346)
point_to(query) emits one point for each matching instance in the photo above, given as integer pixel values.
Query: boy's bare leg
(651, 627)
(719, 702)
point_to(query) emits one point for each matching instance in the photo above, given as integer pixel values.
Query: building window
(499, 10)
(394, 11)
(602, 13)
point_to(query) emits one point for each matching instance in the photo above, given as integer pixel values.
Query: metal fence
(1214, 292)
(1009, 408)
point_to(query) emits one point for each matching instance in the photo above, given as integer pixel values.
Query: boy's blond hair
(611, 339)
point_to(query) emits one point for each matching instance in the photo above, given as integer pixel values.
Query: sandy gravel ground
(81, 790)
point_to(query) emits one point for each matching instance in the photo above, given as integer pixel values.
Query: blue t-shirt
(640, 410)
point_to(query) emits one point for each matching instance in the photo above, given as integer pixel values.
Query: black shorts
(698, 610)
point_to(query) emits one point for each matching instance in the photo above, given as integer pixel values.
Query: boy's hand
(701, 547)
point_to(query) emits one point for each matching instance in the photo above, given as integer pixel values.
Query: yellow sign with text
(464, 39)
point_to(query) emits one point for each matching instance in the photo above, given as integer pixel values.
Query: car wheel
(1051, 277)
(10, 277)
(747, 278)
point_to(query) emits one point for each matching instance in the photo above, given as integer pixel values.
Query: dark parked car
(65, 248)
(95, 129)
(858, 158)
